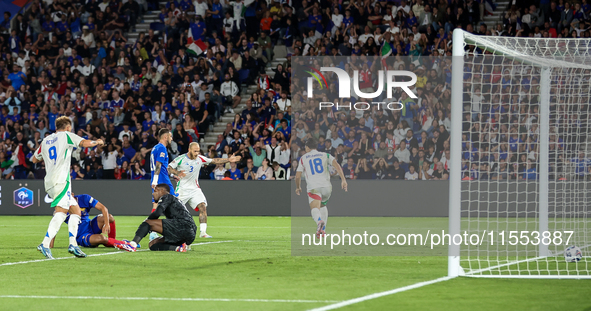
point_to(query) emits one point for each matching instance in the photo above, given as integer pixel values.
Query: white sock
(203, 228)
(316, 214)
(73, 229)
(54, 227)
(324, 213)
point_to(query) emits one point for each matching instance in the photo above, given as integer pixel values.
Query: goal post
(455, 175)
(520, 169)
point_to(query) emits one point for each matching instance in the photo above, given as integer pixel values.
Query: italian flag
(196, 47)
(18, 158)
(190, 37)
(386, 51)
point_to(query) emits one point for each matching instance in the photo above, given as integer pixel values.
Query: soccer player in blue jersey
(90, 231)
(159, 163)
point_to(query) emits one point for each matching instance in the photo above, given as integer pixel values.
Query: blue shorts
(171, 192)
(85, 230)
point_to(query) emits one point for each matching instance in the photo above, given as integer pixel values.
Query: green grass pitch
(250, 268)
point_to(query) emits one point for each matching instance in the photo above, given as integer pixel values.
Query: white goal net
(520, 148)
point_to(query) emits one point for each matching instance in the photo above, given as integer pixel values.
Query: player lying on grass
(56, 151)
(178, 229)
(187, 167)
(90, 232)
(315, 166)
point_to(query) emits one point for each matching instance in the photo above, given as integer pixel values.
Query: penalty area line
(95, 255)
(172, 299)
(381, 294)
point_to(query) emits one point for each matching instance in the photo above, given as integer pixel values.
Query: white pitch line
(381, 294)
(172, 299)
(552, 254)
(95, 255)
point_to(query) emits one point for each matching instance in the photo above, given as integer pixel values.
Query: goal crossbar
(565, 53)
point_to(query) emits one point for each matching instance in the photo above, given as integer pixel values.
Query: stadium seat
(279, 51)
(243, 75)
(157, 26)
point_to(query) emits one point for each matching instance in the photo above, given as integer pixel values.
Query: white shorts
(62, 196)
(193, 197)
(321, 194)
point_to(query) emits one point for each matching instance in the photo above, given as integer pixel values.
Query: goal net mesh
(506, 84)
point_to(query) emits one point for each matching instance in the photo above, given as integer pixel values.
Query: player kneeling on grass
(178, 229)
(90, 231)
(314, 165)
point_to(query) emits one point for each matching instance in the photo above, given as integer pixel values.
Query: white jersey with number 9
(56, 151)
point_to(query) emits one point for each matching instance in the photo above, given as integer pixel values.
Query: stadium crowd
(74, 58)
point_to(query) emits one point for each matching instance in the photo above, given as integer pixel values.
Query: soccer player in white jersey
(314, 165)
(56, 151)
(187, 167)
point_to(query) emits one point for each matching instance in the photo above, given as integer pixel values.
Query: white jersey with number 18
(56, 151)
(315, 166)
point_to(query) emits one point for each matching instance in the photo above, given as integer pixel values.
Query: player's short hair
(162, 132)
(164, 186)
(62, 122)
(194, 143)
(311, 143)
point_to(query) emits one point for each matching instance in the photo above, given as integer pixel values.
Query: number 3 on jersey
(316, 166)
(53, 154)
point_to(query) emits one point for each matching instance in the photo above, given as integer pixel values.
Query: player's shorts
(62, 195)
(193, 197)
(85, 230)
(178, 231)
(171, 191)
(321, 194)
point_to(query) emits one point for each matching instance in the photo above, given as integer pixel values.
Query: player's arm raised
(339, 170)
(103, 209)
(224, 161)
(91, 143)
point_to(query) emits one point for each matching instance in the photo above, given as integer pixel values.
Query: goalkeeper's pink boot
(182, 248)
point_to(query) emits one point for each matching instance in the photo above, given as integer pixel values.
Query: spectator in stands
(122, 85)
(264, 172)
(218, 173)
(250, 170)
(278, 172)
(411, 174)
